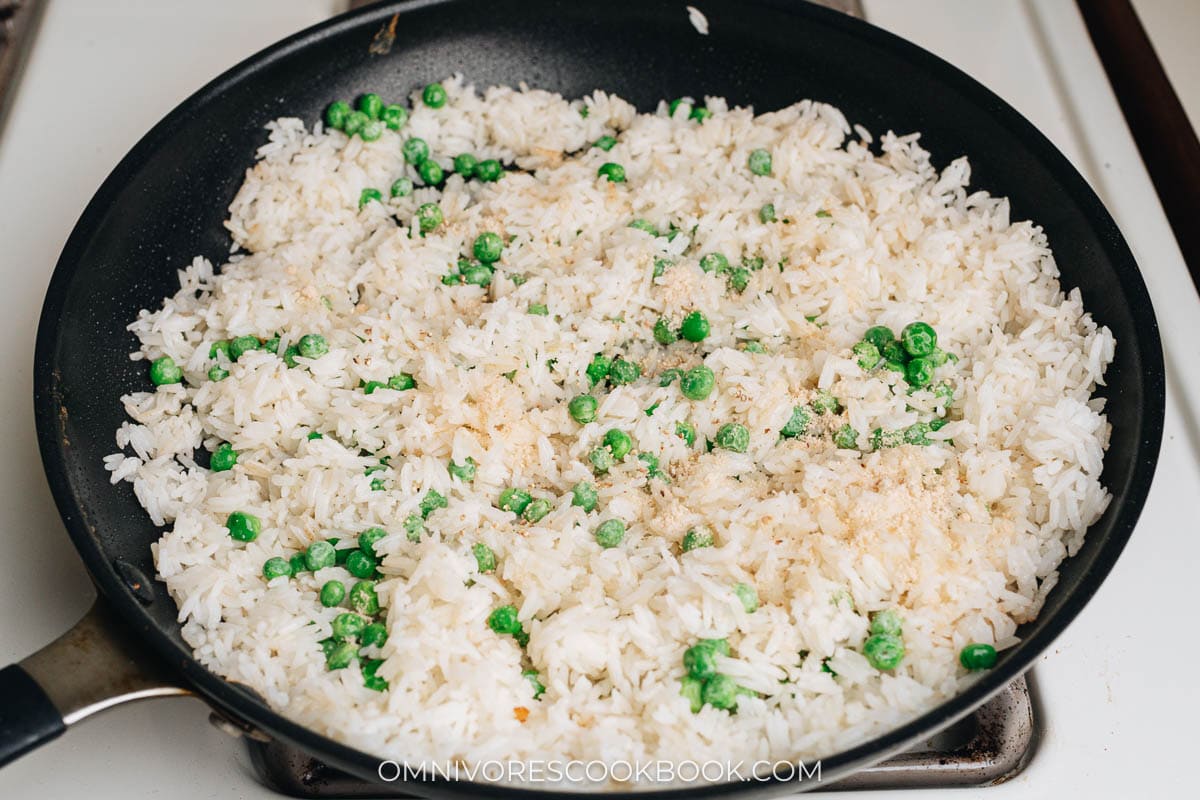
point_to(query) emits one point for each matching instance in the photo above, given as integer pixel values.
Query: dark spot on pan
(135, 580)
(381, 42)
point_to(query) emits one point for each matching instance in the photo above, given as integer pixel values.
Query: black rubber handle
(27, 717)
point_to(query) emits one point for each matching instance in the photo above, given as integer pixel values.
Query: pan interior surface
(167, 200)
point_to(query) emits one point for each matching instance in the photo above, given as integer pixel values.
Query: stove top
(988, 747)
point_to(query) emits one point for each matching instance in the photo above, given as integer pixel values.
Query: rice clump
(961, 535)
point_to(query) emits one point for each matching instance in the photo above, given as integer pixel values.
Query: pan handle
(95, 665)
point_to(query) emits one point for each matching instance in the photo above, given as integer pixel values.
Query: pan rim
(242, 703)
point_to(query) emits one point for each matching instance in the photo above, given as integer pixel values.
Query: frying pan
(165, 202)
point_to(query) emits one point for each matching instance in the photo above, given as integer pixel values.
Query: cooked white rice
(963, 537)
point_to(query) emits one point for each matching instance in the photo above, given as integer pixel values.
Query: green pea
(605, 143)
(767, 213)
(539, 310)
(644, 226)
(348, 626)
(700, 113)
(312, 345)
(465, 164)
(371, 679)
(489, 170)
(319, 556)
(243, 526)
(669, 376)
(721, 691)
(367, 195)
(697, 383)
(488, 247)
(289, 355)
(846, 437)
(394, 117)
(336, 113)
(538, 689)
(695, 327)
(514, 499)
(918, 434)
(537, 510)
(618, 442)
(217, 347)
(277, 567)
(610, 533)
(977, 656)
(687, 432)
(700, 536)
(402, 187)
(340, 655)
(880, 336)
(332, 593)
(363, 598)
(429, 216)
(733, 436)
(674, 105)
(163, 371)
(700, 660)
(651, 462)
(867, 354)
(371, 104)
(884, 651)
(465, 471)
(623, 371)
(615, 173)
(825, 403)
(271, 345)
(485, 559)
(402, 382)
(882, 440)
(918, 372)
(714, 262)
(797, 424)
(374, 635)
(886, 621)
(361, 565)
(661, 265)
(692, 690)
(371, 386)
(918, 338)
(432, 501)
(662, 332)
(602, 460)
(217, 374)
(477, 275)
(223, 458)
(747, 595)
(739, 279)
(598, 369)
(582, 408)
(759, 162)
(431, 172)
(298, 564)
(355, 121)
(415, 150)
(371, 131)
(414, 526)
(434, 95)
(504, 620)
(584, 495)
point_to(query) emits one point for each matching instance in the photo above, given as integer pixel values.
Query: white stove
(1115, 697)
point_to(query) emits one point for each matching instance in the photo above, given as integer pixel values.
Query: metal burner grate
(988, 747)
